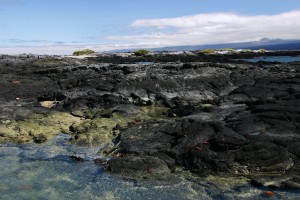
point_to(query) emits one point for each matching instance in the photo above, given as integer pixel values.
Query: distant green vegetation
(262, 50)
(228, 49)
(83, 52)
(141, 52)
(206, 51)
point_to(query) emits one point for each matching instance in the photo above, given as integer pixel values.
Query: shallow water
(46, 171)
(282, 59)
(145, 63)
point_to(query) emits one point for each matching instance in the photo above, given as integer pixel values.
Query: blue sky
(62, 26)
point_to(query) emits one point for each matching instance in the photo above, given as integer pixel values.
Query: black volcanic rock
(264, 155)
(146, 167)
(239, 119)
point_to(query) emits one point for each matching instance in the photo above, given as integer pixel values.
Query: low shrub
(207, 51)
(83, 52)
(141, 52)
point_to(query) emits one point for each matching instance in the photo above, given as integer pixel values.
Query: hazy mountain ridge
(264, 43)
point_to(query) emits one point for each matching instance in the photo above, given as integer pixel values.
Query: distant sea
(281, 59)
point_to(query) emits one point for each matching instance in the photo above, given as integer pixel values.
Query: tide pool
(46, 171)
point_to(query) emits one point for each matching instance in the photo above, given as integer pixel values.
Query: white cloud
(213, 28)
(210, 28)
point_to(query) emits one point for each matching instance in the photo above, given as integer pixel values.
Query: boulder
(145, 167)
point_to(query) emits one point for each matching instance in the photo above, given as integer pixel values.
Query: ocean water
(45, 171)
(282, 59)
(145, 63)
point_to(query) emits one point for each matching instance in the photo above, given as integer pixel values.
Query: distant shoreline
(243, 52)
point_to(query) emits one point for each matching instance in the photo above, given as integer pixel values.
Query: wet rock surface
(146, 167)
(227, 118)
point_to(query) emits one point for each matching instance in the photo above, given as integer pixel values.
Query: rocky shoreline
(212, 118)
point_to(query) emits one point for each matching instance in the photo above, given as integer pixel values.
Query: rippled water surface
(46, 171)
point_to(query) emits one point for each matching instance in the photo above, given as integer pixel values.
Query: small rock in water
(77, 158)
(40, 138)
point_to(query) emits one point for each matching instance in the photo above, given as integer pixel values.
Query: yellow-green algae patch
(227, 181)
(222, 180)
(98, 131)
(157, 112)
(87, 127)
(206, 105)
(47, 125)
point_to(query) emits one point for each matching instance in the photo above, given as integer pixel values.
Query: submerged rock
(40, 138)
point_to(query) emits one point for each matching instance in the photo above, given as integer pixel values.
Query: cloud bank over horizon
(199, 29)
(215, 28)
